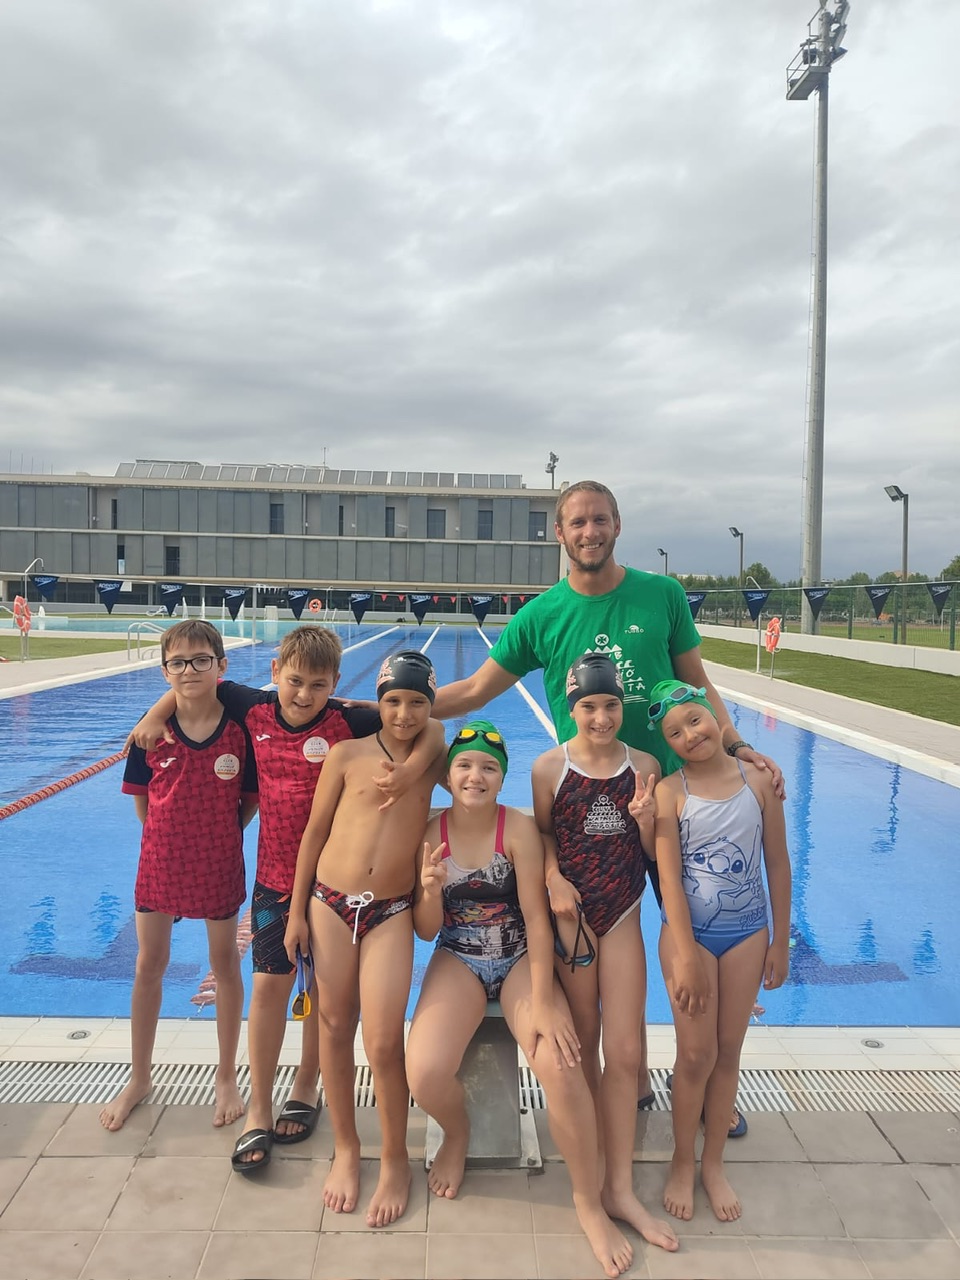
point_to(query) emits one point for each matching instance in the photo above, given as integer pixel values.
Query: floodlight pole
(666, 560)
(809, 73)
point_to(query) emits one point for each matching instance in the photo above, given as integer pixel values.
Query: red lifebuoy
(21, 614)
(771, 636)
(315, 605)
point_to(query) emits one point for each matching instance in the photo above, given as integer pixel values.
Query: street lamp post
(896, 494)
(666, 560)
(808, 73)
(551, 466)
(738, 534)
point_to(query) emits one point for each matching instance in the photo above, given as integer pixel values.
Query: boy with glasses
(194, 793)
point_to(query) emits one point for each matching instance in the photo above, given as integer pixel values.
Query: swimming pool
(875, 883)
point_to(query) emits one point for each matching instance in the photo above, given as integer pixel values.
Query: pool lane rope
(17, 806)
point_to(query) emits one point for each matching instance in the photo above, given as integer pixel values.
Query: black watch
(734, 747)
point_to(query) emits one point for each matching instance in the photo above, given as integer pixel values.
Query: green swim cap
(480, 735)
(673, 693)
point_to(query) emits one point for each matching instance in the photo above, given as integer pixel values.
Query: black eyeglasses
(490, 737)
(202, 662)
(579, 959)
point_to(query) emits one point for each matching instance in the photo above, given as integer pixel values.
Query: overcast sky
(459, 234)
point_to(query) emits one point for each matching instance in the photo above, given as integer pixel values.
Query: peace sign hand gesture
(642, 808)
(433, 873)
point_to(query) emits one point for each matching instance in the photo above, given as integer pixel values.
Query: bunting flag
(420, 604)
(297, 599)
(108, 592)
(171, 596)
(46, 584)
(755, 600)
(480, 606)
(815, 597)
(878, 597)
(938, 594)
(695, 599)
(233, 598)
(360, 603)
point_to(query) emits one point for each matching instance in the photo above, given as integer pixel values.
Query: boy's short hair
(311, 648)
(585, 486)
(191, 631)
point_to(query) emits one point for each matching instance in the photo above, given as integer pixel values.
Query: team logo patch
(226, 766)
(315, 749)
(604, 818)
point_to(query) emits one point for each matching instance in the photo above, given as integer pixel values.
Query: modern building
(276, 527)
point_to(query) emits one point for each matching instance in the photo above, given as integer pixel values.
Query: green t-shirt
(643, 623)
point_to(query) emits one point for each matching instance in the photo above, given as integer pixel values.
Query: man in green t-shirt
(642, 620)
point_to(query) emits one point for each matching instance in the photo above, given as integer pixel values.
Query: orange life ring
(21, 614)
(315, 605)
(771, 636)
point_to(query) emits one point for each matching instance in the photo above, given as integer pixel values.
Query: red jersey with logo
(288, 765)
(191, 851)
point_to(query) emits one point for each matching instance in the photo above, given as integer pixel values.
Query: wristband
(734, 747)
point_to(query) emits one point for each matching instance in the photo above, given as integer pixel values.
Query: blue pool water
(875, 879)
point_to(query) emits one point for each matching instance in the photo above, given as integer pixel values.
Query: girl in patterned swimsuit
(481, 889)
(593, 801)
(719, 824)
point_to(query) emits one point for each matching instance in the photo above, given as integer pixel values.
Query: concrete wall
(942, 661)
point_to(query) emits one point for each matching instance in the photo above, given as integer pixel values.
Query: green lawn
(57, 647)
(923, 693)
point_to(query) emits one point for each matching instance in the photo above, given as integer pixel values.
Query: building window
(121, 557)
(340, 522)
(276, 517)
(436, 522)
(485, 523)
(537, 526)
(171, 561)
(114, 513)
(390, 522)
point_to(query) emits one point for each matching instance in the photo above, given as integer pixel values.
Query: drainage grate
(191, 1084)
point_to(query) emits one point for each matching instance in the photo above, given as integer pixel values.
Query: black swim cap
(593, 673)
(408, 669)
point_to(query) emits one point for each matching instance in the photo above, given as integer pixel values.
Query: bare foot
(342, 1187)
(629, 1209)
(678, 1193)
(724, 1201)
(228, 1105)
(446, 1173)
(116, 1111)
(255, 1120)
(390, 1198)
(610, 1246)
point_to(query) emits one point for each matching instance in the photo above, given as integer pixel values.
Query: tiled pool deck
(849, 1192)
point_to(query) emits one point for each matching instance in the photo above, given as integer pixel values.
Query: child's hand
(146, 733)
(297, 934)
(557, 1031)
(564, 897)
(642, 808)
(393, 782)
(776, 966)
(692, 988)
(433, 872)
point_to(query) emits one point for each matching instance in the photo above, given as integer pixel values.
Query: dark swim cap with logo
(408, 669)
(593, 673)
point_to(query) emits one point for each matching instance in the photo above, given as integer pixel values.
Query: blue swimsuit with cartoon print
(721, 847)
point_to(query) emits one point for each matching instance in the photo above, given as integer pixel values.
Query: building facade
(279, 526)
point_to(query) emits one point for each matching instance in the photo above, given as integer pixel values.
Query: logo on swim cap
(409, 669)
(592, 674)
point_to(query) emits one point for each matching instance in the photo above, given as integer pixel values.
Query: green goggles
(684, 693)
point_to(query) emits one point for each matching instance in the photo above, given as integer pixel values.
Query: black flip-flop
(739, 1130)
(252, 1140)
(646, 1102)
(301, 1113)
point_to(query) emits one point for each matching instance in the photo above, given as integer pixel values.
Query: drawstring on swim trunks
(356, 902)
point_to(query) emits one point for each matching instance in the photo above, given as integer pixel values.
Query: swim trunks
(269, 913)
(361, 911)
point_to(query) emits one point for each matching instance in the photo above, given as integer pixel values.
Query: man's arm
(689, 667)
(486, 683)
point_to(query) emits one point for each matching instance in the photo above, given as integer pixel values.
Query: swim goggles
(579, 959)
(490, 737)
(301, 1001)
(683, 693)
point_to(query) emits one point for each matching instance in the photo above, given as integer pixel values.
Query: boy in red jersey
(194, 793)
(292, 729)
(351, 903)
